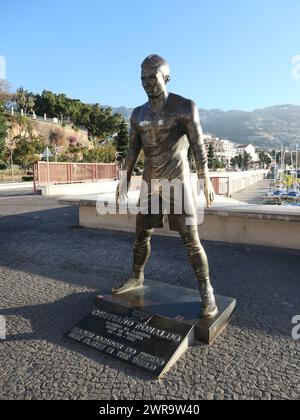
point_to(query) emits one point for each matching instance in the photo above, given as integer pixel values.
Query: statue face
(153, 81)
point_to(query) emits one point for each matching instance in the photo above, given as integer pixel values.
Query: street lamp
(12, 144)
(47, 154)
(296, 161)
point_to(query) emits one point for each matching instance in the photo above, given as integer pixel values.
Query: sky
(227, 54)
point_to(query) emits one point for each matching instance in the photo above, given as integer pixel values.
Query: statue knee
(143, 237)
(191, 241)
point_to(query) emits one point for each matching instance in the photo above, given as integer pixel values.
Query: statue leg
(199, 262)
(141, 254)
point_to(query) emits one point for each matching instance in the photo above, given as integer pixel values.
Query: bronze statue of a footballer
(164, 128)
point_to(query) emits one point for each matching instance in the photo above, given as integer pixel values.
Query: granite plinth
(180, 304)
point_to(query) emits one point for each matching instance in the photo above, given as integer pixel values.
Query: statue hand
(209, 192)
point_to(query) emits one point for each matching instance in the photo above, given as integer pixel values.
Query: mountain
(126, 112)
(268, 128)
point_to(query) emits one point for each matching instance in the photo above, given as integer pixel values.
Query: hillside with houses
(269, 128)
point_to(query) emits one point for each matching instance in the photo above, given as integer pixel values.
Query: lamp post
(47, 155)
(282, 162)
(12, 160)
(296, 161)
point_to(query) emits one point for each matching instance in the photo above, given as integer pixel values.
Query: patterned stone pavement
(50, 272)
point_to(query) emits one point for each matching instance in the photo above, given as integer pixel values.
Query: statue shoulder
(185, 106)
(137, 113)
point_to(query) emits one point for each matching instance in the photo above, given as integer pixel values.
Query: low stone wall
(252, 227)
(86, 188)
(16, 186)
(79, 189)
(249, 225)
(228, 181)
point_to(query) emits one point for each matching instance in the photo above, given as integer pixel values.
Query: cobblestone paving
(50, 272)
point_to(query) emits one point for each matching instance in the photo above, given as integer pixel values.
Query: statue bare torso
(165, 138)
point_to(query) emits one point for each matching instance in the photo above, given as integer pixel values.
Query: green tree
(45, 104)
(24, 100)
(233, 162)
(218, 164)
(122, 141)
(240, 161)
(5, 98)
(100, 122)
(264, 158)
(3, 132)
(246, 159)
(211, 157)
(28, 151)
(101, 154)
(237, 162)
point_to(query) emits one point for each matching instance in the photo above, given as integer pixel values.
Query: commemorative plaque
(143, 340)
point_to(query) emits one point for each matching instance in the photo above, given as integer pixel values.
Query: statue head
(155, 75)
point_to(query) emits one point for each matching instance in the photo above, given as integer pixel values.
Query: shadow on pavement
(50, 322)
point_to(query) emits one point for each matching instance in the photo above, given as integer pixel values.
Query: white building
(248, 148)
(224, 150)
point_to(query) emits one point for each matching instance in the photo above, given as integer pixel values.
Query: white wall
(238, 181)
(248, 227)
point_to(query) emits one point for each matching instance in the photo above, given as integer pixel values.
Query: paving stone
(50, 273)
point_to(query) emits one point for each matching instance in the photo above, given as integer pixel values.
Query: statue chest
(160, 130)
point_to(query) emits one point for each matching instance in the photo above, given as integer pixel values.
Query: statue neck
(156, 104)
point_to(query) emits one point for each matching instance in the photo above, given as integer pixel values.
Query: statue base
(177, 303)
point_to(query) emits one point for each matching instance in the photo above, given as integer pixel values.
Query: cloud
(2, 67)
(296, 67)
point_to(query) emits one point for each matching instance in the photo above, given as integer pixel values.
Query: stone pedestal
(180, 304)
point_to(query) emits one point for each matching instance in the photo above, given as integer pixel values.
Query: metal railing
(228, 185)
(73, 173)
(221, 185)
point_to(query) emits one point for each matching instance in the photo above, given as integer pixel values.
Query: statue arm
(134, 150)
(195, 136)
